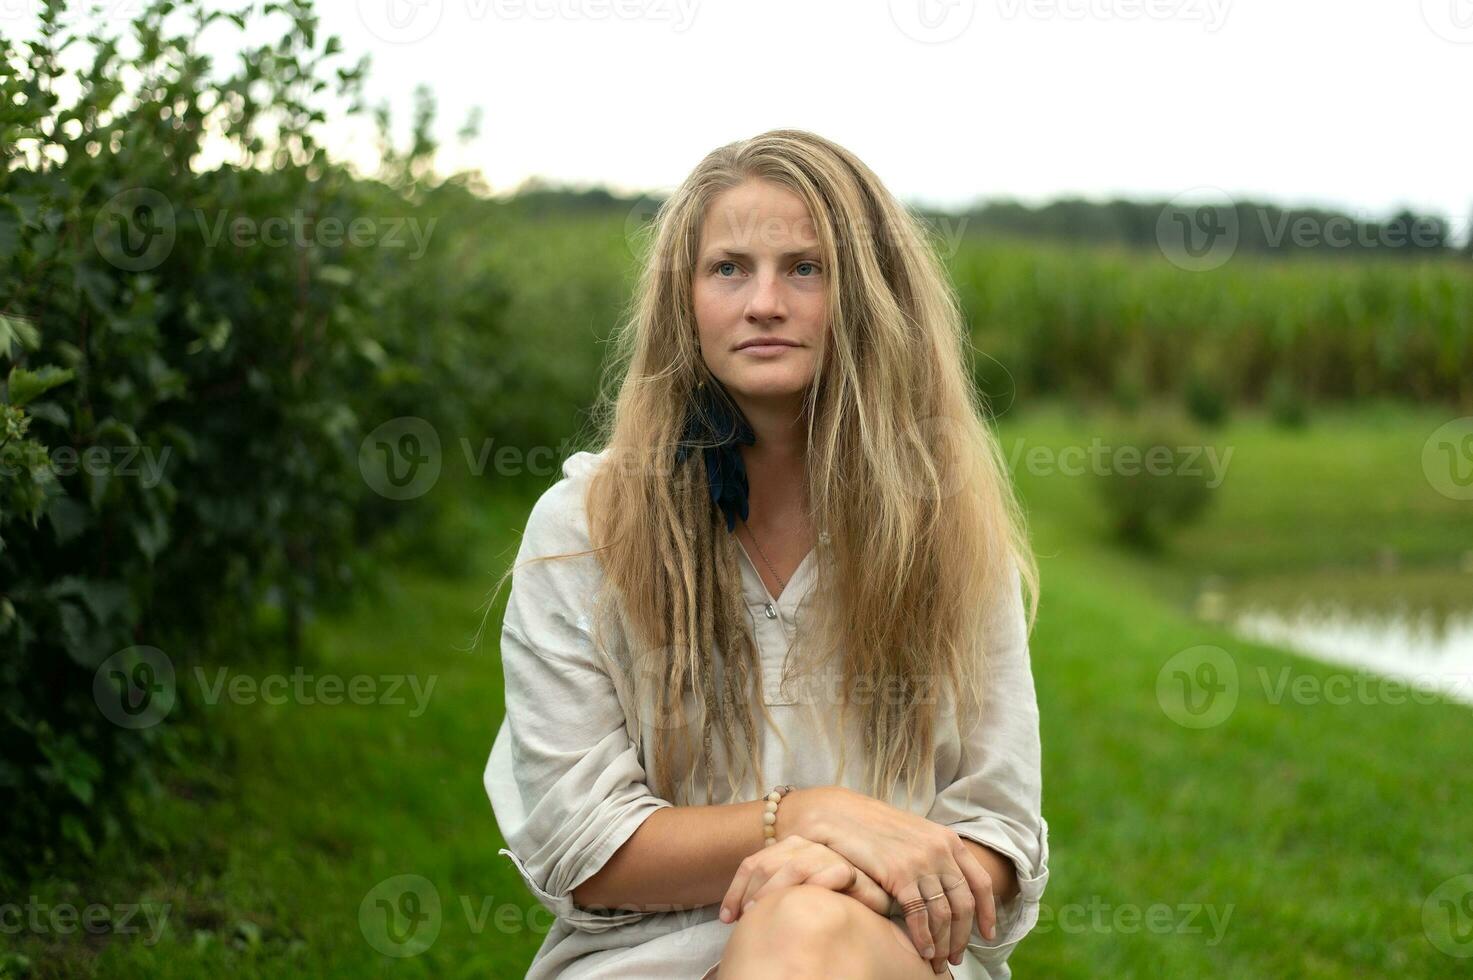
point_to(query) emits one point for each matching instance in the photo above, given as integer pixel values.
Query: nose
(766, 303)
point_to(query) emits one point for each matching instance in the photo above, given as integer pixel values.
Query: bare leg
(808, 931)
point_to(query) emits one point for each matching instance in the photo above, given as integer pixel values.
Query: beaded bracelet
(769, 818)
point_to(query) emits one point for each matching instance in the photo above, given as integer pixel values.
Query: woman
(794, 389)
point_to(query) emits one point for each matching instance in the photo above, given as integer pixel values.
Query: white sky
(1357, 104)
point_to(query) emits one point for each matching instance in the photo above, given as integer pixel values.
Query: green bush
(1286, 405)
(1155, 481)
(195, 362)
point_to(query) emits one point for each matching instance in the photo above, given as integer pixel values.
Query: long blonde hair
(904, 474)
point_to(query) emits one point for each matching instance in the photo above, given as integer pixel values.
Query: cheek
(712, 308)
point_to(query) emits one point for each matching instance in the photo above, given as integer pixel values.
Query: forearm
(680, 857)
(999, 867)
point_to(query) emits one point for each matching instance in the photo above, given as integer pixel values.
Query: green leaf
(49, 412)
(68, 517)
(26, 385)
(335, 275)
(151, 534)
(17, 333)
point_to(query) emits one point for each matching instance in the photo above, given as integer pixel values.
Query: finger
(963, 908)
(938, 910)
(981, 884)
(917, 920)
(730, 902)
(836, 876)
(759, 877)
(868, 891)
(792, 873)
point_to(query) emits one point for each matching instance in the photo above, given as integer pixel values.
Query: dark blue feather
(717, 428)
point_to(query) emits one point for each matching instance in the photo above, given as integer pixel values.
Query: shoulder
(558, 521)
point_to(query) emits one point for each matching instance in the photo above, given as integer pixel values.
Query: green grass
(1318, 830)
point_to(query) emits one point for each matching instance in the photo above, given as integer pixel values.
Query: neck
(776, 465)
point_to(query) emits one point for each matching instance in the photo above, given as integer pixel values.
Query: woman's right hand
(908, 856)
(795, 860)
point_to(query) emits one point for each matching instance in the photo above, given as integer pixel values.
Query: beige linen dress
(567, 771)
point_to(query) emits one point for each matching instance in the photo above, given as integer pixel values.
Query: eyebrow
(738, 253)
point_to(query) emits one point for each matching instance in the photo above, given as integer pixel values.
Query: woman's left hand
(796, 860)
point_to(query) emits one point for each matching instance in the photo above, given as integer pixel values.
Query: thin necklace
(782, 585)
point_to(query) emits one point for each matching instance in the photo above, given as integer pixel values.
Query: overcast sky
(1359, 104)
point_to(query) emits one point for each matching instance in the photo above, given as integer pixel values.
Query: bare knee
(803, 920)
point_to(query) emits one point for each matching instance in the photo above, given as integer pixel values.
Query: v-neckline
(800, 574)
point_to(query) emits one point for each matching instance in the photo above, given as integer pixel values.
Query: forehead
(758, 216)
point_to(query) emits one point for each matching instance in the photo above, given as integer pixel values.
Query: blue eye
(720, 265)
(812, 265)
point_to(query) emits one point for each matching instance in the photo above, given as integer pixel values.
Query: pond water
(1415, 626)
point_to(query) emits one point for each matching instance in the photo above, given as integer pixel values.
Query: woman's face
(758, 277)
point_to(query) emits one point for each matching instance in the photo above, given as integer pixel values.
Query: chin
(776, 389)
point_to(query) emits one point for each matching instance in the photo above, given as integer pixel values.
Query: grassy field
(1295, 837)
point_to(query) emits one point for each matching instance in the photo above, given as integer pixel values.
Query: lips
(765, 342)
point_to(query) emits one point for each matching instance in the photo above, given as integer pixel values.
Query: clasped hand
(887, 859)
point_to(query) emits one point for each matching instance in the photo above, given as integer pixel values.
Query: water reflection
(1414, 626)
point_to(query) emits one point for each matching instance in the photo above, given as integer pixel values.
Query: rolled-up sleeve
(564, 777)
(996, 798)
